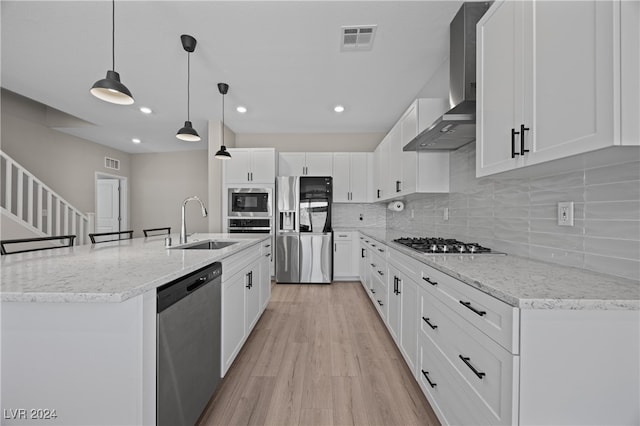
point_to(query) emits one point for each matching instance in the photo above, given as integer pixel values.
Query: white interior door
(108, 205)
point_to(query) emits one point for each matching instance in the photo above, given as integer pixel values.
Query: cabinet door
(319, 164)
(263, 166)
(377, 173)
(569, 77)
(233, 318)
(342, 259)
(393, 156)
(408, 131)
(341, 181)
(499, 66)
(265, 280)
(252, 297)
(291, 164)
(393, 301)
(237, 169)
(358, 164)
(630, 67)
(409, 322)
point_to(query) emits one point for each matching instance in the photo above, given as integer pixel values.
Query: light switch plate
(565, 213)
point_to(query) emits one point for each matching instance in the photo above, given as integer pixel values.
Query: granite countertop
(108, 272)
(527, 283)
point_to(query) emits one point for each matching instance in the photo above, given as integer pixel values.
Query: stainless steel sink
(206, 245)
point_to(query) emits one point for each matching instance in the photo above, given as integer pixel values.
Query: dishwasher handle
(174, 291)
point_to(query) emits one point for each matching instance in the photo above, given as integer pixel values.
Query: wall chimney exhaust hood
(457, 127)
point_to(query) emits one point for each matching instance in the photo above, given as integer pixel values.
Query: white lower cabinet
(479, 360)
(345, 255)
(244, 297)
(265, 275)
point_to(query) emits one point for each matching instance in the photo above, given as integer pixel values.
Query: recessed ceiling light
(338, 108)
(241, 109)
(136, 140)
(146, 110)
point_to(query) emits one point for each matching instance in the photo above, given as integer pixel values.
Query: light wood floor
(320, 355)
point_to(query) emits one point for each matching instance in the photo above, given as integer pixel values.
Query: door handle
(513, 143)
(522, 130)
(378, 193)
(398, 186)
(362, 253)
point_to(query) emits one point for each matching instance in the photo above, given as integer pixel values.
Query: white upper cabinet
(548, 82)
(350, 175)
(630, 64)
(305, 164)
(250, 165)
(398, 173)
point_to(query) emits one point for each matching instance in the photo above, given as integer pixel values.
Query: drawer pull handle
(466, 360)
(380, 303)
(381, 251)
(426, 376)
(373, 265)
(267, 255)
(362, 253)
(429, 281)
(381, 273)
(372, 291)
(433, 327)
(468, 305)
(267, 246)
(373, 245)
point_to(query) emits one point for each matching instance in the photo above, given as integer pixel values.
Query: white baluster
(74, 226)
(58, 216)
(49, 205)
(39, 207)
(8, 184)
(66, 218)
(20, 193)
(30, 183)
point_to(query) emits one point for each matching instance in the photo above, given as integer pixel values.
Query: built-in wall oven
(250, 225)
(249, 202)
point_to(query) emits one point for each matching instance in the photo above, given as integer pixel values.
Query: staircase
(29, 202)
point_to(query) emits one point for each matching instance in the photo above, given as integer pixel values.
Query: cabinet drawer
(487, 368)
(342, 236)
(379, 295)
(493, 317)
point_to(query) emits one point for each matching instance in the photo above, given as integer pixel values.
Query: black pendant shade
(110, 89)
(222, 153)
(188, 133)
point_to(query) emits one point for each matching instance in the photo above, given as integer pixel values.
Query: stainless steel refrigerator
(304, 238)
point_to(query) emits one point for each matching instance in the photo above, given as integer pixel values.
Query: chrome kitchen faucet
(183, 228)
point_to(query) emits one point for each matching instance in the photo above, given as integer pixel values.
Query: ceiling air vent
(357, 37)
(111, 163)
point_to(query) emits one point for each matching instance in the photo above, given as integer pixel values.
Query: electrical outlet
(565, 213)
(445, 214)
(361, 216)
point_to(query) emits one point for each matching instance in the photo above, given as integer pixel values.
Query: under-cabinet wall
(517, 213)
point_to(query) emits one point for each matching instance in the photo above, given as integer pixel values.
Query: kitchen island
(79, 324)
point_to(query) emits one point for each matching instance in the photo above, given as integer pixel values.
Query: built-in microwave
(250, 202)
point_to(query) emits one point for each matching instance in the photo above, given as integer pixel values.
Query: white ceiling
(282, 60)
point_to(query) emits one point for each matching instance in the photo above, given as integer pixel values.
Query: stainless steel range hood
(457, 127)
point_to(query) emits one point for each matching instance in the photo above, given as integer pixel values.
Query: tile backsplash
(345, 215)
(517, 214)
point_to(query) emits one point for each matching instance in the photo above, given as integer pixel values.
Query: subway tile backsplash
(345, 215)
(517, 215)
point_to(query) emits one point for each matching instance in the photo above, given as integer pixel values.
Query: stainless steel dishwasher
(188, 345)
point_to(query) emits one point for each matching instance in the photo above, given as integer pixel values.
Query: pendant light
(188, 133)
(110, 89)
(222, 153)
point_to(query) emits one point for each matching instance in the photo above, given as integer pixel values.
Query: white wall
(65, 163)
(214, 177)
(159, 184)
(311, 142)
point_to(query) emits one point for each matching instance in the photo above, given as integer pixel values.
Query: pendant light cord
(113, 34)
(223, 119)
(188, 84)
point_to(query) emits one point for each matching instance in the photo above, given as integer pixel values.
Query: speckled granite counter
(107, 272)
(527, 283)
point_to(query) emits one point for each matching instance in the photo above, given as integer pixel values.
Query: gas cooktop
(429, 245)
